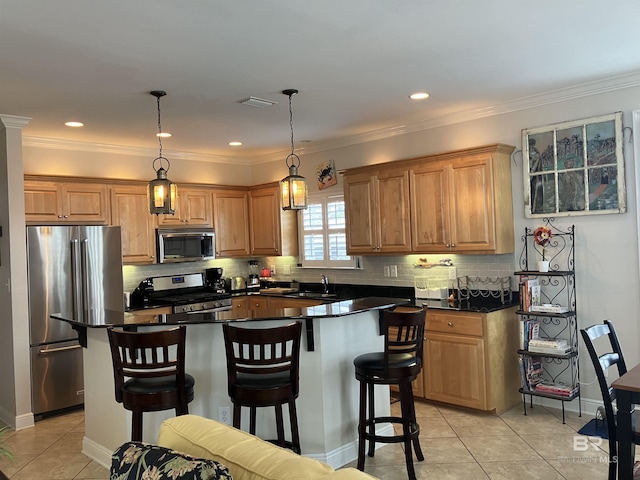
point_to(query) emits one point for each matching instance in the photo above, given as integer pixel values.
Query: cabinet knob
(450, 324)
(453, 245)
(59, 216)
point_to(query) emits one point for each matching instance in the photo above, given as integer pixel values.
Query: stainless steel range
(187, 293)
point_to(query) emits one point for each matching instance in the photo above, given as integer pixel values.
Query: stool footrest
(414, 430)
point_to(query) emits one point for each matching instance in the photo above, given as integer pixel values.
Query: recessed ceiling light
(74, 124)
(419, 96)
(163, 135)
(235, 144)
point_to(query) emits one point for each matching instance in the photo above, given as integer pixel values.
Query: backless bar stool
(399, 364)
(148, 369)
(263, 371)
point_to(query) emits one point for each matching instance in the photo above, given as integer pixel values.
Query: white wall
(606, 245)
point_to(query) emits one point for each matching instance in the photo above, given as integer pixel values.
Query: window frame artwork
(574, 168)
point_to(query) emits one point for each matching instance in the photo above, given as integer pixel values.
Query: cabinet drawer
(457, 323)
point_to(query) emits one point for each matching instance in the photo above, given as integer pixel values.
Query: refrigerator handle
(84, 276)
(74, 280)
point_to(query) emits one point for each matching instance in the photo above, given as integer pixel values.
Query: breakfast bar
(335, 333)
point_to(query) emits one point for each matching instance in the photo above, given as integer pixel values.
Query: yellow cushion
(246, 456)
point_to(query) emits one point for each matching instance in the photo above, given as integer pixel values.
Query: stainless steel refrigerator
(72, 270)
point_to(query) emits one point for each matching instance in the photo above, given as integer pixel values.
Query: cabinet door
(130, 210)
(430, 208)
(472, 207)
(239, 303)
(60, 202)
(83, 203)
(454, 370)
(42, 202)
(193, 209)
(256, 302)
(360, 205)
(393, 211)
(264, 216)
(231, 223)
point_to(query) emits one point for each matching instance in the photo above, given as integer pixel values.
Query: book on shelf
(529, 329)
(549, 308)
(559, 388)
(530, 293)
(548, 342)
(550, 351)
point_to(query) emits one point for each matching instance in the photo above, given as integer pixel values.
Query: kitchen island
(328, 402)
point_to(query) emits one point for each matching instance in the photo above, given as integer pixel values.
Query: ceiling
(355, 62)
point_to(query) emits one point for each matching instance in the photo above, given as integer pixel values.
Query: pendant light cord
(291, 124)
(159, 129)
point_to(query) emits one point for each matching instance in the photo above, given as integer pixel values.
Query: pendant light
(162, 192)
(294, 186)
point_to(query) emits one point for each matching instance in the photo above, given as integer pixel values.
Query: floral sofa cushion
(142, 461)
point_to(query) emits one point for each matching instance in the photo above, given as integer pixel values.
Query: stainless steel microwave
(185, 244)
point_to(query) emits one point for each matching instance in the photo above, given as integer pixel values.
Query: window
(574, 168)
(322, 233)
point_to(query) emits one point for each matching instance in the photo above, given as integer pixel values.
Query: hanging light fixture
(162, 192)
(294, 186)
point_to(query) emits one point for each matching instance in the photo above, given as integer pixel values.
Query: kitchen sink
(312, 295)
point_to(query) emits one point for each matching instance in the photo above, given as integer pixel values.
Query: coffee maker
(253, 280)
(214, 279)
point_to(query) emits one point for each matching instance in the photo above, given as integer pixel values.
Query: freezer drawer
(56, 376)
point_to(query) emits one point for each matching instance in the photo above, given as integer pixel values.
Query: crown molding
(613, 83)
(12, 121)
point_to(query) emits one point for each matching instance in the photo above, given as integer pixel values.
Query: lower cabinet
(467, 359)
(259, 302)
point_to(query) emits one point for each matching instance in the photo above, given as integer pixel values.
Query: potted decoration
(4, 451)
(542, 237)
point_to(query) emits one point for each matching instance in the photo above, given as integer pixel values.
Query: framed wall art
(326, 174)
(574, 168)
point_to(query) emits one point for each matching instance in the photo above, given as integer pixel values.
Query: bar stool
(263, 371)
(399, 364)
(148, 370)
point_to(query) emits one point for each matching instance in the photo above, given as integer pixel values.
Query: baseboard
(347, 453)
(97, 452)
(18, 422)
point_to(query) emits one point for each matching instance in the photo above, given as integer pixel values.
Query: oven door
(185, 245)
(212, 310)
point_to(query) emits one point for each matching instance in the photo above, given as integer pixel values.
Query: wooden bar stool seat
(263, 371)
(399, 364)
(148, 369)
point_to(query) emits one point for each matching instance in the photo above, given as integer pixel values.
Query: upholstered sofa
(222, 447)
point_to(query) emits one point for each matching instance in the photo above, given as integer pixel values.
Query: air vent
(257, 102)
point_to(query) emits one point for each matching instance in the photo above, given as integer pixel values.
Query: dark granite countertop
(109, 318)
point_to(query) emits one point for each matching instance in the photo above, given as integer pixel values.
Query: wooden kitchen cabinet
(461, 202)
(231, 223)
(55, 202)
(130, 210)
(272, 230)
(377, 211)
(284, 302)
(468, 359)
(417, 386)
(250, 302)
(193, 209)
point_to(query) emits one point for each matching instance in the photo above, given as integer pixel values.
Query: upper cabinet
(377, 211)
(463, 204)
(231, 223)
(130, 210)
(193, 209)
(273, 232)
(455, 202)
(54, 202)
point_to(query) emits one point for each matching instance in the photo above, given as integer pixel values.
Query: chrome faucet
(325, 283)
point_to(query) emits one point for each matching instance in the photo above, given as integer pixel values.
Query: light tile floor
(457, 444)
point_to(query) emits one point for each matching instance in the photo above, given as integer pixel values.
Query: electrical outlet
(224, 415)
(287, 269)
(273, 269)
(453, 273)
(393, 271)
(386, 270)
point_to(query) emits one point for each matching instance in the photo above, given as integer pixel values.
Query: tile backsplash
(372, 273)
